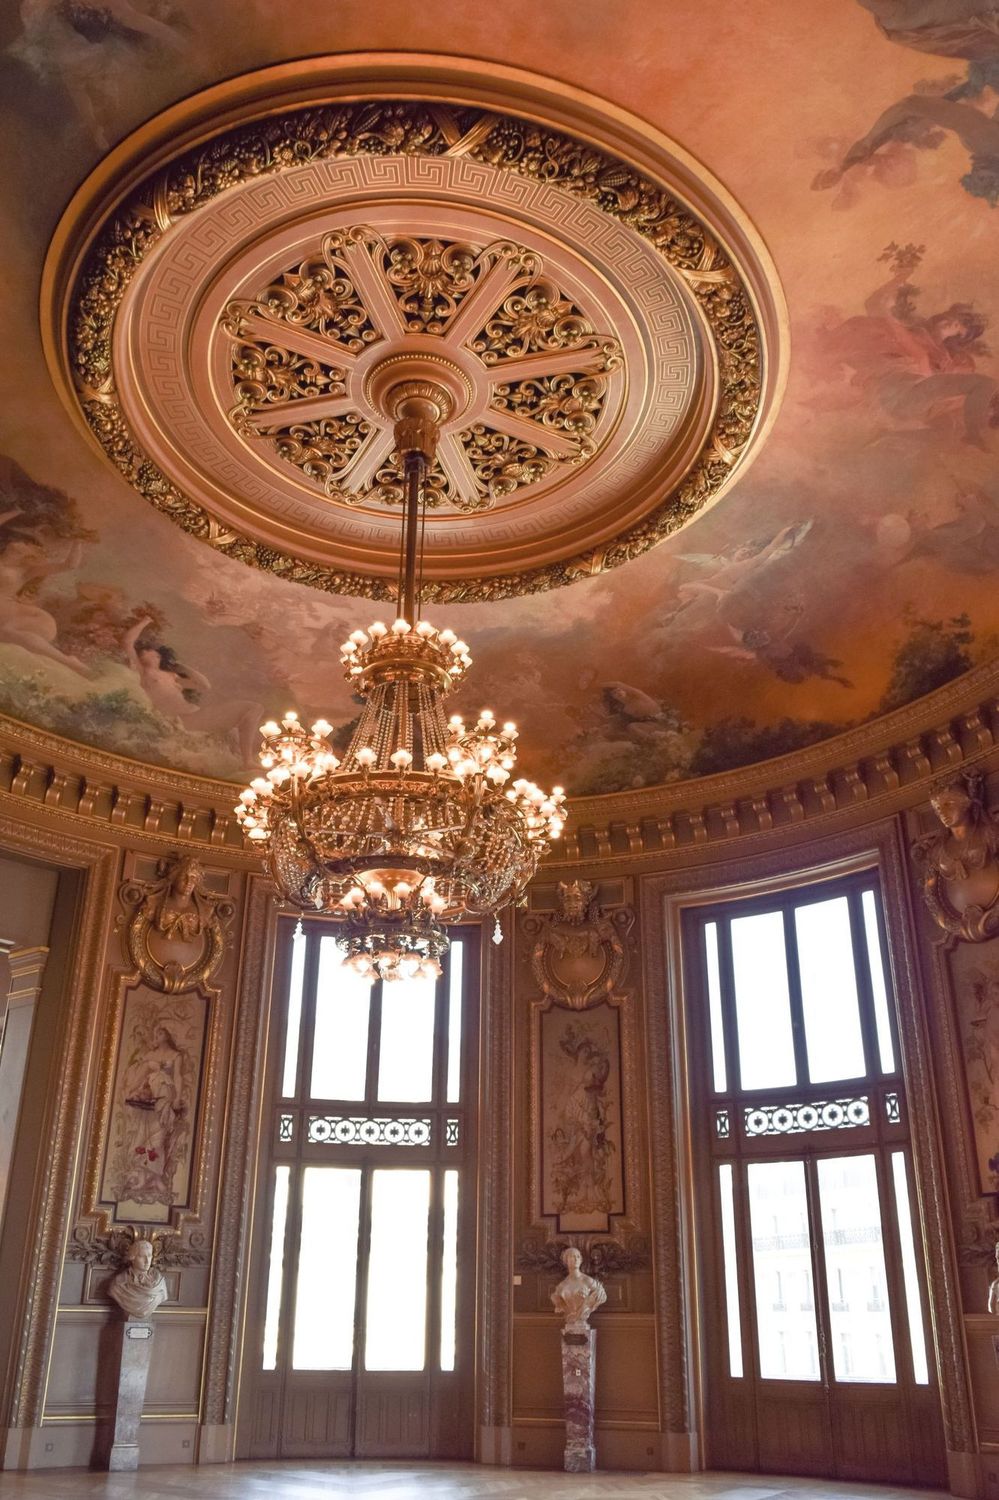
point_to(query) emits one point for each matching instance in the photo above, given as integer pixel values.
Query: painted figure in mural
(139, 1288)
(920, 372)
(26, 561)
(790, 660)
(581, 1142)
(960, 862)
(578, 1295)
(723, 574)
(177, 692)
(157, 1089)
(962, 106)
(87, 48)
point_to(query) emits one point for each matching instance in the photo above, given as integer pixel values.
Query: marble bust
(577, 1295)
(139, 1287)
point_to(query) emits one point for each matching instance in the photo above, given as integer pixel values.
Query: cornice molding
(866, 773)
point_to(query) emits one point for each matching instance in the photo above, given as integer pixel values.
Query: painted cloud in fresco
(848, 572)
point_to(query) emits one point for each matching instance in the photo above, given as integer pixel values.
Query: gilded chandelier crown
(421, 822)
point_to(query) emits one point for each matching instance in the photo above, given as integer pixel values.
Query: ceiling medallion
(417, 825)
(225, 326)
(525, 369)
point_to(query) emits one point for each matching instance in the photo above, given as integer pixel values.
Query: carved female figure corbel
(175, 935)
(960, 863)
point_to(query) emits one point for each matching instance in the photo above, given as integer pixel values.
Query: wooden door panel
(317, 1419)
(265, 1421)
(393, 1417)
(793, 1431)
(871, 1435)
(731, 1435)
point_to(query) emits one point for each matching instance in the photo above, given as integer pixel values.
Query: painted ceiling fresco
(849, 571)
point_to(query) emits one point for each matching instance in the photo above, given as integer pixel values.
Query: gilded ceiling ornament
(175, 934)
(960, 862)
(414, 287)
(580, 951)
(431, 278)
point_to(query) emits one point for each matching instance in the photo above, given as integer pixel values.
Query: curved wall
(104, 823)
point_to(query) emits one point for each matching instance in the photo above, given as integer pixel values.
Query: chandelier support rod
(415, 471)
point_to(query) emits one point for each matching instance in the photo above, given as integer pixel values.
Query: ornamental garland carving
(430, 278)
(960, 863)
(580, 952)
(175, 934)
(604, 1257)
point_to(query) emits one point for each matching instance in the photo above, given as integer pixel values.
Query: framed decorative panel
(974, 974)
(150, 1146)
(581, 1170)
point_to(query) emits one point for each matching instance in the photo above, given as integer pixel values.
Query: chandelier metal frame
(421, 823)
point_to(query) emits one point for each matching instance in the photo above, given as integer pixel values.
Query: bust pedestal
(579, 1350)
(135, 1352)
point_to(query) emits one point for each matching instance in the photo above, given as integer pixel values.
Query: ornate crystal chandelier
(422, 822)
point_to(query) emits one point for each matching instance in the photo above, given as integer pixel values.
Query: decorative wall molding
(51, 1208)
(496, 1174)
(237, 1174)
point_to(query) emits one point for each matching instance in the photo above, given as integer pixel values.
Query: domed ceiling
(666, 565)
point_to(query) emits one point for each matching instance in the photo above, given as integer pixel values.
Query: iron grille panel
(373, 1130)
(804, 1118)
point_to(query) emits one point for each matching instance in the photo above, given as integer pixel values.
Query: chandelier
(422, 822)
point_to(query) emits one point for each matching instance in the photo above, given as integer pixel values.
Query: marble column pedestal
(136, 1347)
(579, 1362)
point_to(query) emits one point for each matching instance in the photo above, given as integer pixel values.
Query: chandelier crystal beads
(423, 821)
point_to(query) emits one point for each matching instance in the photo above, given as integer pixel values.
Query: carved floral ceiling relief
(847, 572)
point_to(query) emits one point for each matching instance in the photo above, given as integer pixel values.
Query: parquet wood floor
(407, 1481)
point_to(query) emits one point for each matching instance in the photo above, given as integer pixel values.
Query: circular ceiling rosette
(225, 325)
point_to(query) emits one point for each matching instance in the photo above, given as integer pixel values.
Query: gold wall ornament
(175, 934)
(580, 952)
(959, 862)
(707, 286)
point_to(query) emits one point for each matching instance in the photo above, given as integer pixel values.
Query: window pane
(910, 1276)
(406, 1056)
(782, 1271)
(859, 1316)
(327, 1269)
(275, 1267)
(886, 1047)
(829, 1001)
(294, 1026)
(340, 1048)
(449, 1272)
(397, 1271)
(731, 1270)
(457, 957)
(762, 1007)
(715, 1008)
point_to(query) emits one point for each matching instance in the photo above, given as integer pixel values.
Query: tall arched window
(814, 1302)
(360, 1337)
